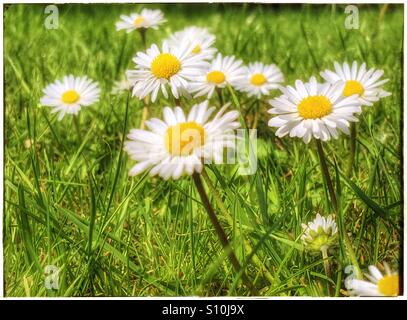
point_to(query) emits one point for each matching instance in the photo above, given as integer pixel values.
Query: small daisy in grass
(68, 95)
(145, 19)
(223, 70)
(319, 234)
(121, 86)
(377, 285)
(178, 145)
(313, 110)
(260, 79)
(199, 39)
(156, 69)
(365, 83)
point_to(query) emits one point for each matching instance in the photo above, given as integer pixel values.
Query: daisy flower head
(179, 144)
(260, 79)
(313, 110)
(68, 95)
(365, 83)
(378, 285)
(121, 86)
(171, 66)
(145, 19)
(319, 234)
(200, 40)
(222, 71)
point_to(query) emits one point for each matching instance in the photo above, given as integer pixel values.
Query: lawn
(70, 203)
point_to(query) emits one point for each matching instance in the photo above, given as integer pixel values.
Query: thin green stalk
(221, 233)
(256, 118)
(324, 251)
(332, 194)
(353, 134)
(144, 116)
(220, 95)
(327, 177)
(143, 37)
(77, 126)
(256, 260)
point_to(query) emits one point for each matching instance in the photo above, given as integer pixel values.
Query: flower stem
(220, 95)
(324, 251)
(353, 134)
(328, 180)
(143, 37)
(256, 260)
(221, 233)
(77, 126)
(145, 112)
(177, 102)
(144, 116)
(325, 172)
(256, 117)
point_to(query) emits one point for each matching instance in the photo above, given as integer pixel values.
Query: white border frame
(403, 297)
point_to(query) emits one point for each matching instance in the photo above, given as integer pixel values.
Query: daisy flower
(178, 145)
(222, 71)
(145, 19)
(199, 39)
(365, 83)
(377, 284)
(319, 234)
(313, 110)
(70, 94)
(260, 79)
(121, 86)
(172, 66)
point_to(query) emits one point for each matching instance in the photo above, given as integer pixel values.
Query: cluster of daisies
(187, 64)
(322, 110)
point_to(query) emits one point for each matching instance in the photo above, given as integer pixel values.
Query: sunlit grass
(70, 203)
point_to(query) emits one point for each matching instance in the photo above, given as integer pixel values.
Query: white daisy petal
(222, 71)
(312, 110)
(197, 43)
(156, 70)
(145, 19)
(174, 147)
(366, 84)
(70, 94)
(377, 284)
(320, 233)
(259, 79)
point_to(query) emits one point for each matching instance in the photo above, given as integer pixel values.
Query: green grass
(70, 203)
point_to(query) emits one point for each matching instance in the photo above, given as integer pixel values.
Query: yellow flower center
(314, 107)
(258, 79)
(183, 138)
(353, 87)
(138, 21)
(197, 49)
(216, 77)
(165, 65)
(70, 96)
(389, 285)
